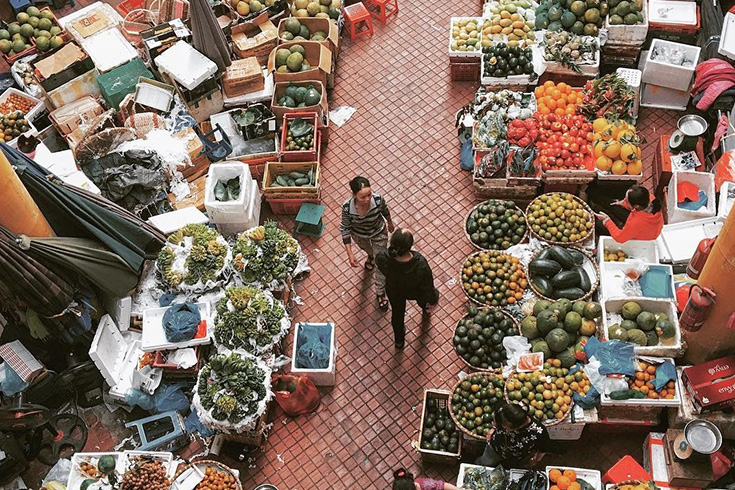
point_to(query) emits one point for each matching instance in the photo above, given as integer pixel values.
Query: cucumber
(562, 256)
(543, 286)
(576, 255)
(276, 184)
(569, 293)
(565, 279)
(584, 280)
(545, 268)
(545, 254)
(281, 180)
(302, 181)
(297, 175)
(310, 175)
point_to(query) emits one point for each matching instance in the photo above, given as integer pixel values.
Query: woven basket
(145, 122)
(547, 423)
(478, 303)
(595, 283)
(554, 242)
(467, 234)
(465, 361)
(618, 486)
(203, 463)
(492, 374)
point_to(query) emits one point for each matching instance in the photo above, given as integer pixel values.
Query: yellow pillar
(19, 214)
(714, 340)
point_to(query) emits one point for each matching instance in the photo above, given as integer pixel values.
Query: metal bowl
(692, 125)
(266, 486)
(703, 436)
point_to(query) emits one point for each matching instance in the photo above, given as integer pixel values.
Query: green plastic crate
(121, 81)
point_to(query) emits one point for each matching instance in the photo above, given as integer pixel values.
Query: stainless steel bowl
(703, 436)
(692, 125)
(266, 486)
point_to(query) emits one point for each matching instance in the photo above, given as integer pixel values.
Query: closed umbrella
(709, 34)
(207, 36)
(73, 212)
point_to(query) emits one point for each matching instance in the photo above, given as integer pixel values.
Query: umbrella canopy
(207, 35)
(74, 212)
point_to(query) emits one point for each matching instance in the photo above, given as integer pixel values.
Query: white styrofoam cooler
(593, 477)
(676, 243)
(465, 54)
(726, 204)
(116, 356)
(320, 377)
(154, 336)
(622, 33)
(109, 49)
(667, 75)
(612, 278)
(571, 428)
(186, 65)
(612, 306)
(252, 217)
(635, 249)
(705, 181)
(175, 220)
(727, 37)
(235, 211)
(35, 110)
(657, 402)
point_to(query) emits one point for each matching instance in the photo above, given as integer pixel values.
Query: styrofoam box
(30, 115)
(320, 377)
(228, 211)
(612, 278)
(667, 75)
(154, 337)
(648, 402)
(186, 65)
(572, 431)
(252, 218)
(635, 249)
(514, 474)
(593, 477)
(513, 80)
(673, 12)
(116, 356)
(76, 478)
(677, 243)
(705, 181)
(726, 203)
(622, 33)
(164, 457)
(727, 37)
(109, 49)
(175, 220)
(657, 97)
(613, 306)
(465, 54)
(587, 69)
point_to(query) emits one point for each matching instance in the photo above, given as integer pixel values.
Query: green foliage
(206, 258)
(248, 319)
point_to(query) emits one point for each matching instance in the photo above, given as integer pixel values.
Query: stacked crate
(624, 42)
(464, 66)
(665, 85)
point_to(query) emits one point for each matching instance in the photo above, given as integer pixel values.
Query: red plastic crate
(126, 6)
(678, 28)
(289, 206)
(300, 155)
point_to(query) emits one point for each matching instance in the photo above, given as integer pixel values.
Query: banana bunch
(257, 234)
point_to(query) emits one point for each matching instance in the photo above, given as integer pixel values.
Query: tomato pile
(564, 142)
(522, 132)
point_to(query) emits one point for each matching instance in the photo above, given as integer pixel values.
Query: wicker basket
(465, 361)
(473, 300)
(491, 374)
(467, 234)
(203, 463)
(522, 403)
(595, 283)
(554, 242)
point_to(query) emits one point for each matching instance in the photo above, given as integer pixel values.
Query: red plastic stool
(385, 9)
(624, 470)
(355, 14)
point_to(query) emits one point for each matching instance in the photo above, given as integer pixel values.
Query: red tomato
(574, 147)
(565, 154)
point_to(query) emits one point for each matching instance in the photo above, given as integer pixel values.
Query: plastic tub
(610, 316)
(705, 181)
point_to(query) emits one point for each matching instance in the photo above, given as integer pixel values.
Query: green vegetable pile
(249, 319)
(300, 96)
(230, 389)
(227, 190)
(294, 179)
(265, 255)
(205, 260)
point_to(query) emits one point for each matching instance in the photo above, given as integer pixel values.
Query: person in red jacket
(645, 221)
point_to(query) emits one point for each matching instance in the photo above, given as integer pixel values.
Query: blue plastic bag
(194, 425)
(313, 348)
(615, 357)
(664, 373)
(466, 157)
(180, 322)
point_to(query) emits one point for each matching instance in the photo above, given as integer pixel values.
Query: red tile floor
(403, 139)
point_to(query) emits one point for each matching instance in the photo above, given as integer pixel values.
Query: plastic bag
(495, 479)
(314, 353)
(466, 156)
(665, 372)
(515, 346)
(180, 322)
(600, 382)
(60, 472)
(166, 398)
(295, 394)
(194, 425)
(10, 382)
(725, 169)
(615, 357)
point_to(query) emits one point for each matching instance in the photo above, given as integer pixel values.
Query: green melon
(572, 322)
(297, 48)
(637, 336)
(42, 43)
(616, 332)
(567, 357)
(631, 310)
(304, 32)
(543, 347)
(292, 25)
(281, 57)
(295, 61)
(529, 328)
(646, 321)
(5, 46)
(558, 340)
(54, 30)
(47, 14)
(22, 18)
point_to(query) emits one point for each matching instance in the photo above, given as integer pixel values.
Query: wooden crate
(243, 77)
(273, 169)
(428, 455)
(499, 188)
(465, 71)
(195, 197)
(300, 155)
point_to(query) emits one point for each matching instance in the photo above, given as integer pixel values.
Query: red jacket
(641, 225)
(712, 77)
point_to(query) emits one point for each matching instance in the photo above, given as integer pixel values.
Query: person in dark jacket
(408, 276)
(516, 440)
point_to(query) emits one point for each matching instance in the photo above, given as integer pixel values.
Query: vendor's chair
(382, 9)
(355, 16)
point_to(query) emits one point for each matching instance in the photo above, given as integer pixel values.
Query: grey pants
(372, 246)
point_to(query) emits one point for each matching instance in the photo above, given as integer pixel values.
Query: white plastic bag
(515, 346)
(603, 384)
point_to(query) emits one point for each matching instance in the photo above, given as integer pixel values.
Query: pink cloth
(430, 484)
(712, 77)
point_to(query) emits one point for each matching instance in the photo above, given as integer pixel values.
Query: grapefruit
(619, 167)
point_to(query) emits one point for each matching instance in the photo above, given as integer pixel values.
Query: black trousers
(398, 310)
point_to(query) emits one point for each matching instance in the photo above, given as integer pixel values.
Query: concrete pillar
(19, 214)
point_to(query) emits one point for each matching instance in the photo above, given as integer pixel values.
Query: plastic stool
(354, 15)
(19, 6)
(624, 470)
(309, 220)
(386, 9)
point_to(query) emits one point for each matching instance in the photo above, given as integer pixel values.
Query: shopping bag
(296, 395)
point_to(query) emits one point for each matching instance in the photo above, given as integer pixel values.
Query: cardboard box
(685, 413)
(711, 385)
(158, 39)
(68, 117)
(83, 85)
(199, 161)
(61, 66)
(322, 109)
(243, 77)
(695, 472)
(256, 38)
(319, 57)
(315, 25)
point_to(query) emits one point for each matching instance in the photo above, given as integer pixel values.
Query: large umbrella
(709, 34)
(206, 34)
(74, 212)
(84, 257)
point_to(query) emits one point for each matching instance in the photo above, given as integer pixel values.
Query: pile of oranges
(643, 382)
(563, 480)
(616, 147)
(559, 99)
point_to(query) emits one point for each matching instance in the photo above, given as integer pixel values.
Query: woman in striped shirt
(364, 218)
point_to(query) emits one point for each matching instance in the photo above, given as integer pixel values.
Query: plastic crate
(10, 59)
(465, 72)
(289, 206)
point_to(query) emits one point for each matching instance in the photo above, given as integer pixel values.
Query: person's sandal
(370, 264)
(383, 302)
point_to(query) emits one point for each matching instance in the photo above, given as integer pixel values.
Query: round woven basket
(465, 361)
(618, 486)
(490, 374)
(202, 464)
(473, 300)
(524, 238)
(595, 283)
(547, 423)
(554, 242)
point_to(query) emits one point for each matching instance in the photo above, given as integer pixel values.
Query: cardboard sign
(92, 23)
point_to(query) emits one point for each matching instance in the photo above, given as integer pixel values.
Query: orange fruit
(539, 91)
(554, 474)
(559, 111)
(543, 109)
(572, 97)
(598, 146)
(570, 109)
(550, 102)
(555, 93)
(553, 487)
(562, 86)
(563, 483)
(619, 167)
(628, 153)
(599, 124)
(651, 369)
(575, 486)
(603, 163)
(548, 84)
(612, 149)
(571, 474)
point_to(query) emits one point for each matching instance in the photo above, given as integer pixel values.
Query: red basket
(126, 6)
(310, 155)
(12, 59)
(289, 206)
